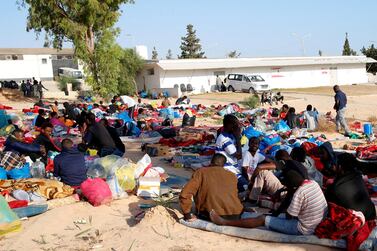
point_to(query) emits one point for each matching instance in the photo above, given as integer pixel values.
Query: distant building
(41, 63)
(287, 72)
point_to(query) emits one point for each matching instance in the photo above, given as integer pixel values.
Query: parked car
(246, 83)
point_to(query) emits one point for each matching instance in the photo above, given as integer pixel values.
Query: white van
(70, 72)
(246, 83)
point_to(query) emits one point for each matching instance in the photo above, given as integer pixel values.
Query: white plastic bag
(142, 166)
(116, 190)
(38, 170)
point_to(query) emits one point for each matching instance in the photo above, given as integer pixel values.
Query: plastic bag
(250, 132)
(9, 221)
(95, 170)
(108, 162)
(38, 170)
(126, 178)
(97, 191)
(3, 174)
(116, 190)
(282, 126)
(20, 173)
(142, 166)
(260, 125)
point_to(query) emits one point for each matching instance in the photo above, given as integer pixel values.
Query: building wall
(30, 66)
(277, 77)
(147, 81)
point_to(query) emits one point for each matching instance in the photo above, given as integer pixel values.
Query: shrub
(251, 102)
(63, 81)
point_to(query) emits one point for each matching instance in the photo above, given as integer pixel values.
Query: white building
(287, 72)
(41, 63)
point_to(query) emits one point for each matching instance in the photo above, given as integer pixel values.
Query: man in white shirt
(252, 158)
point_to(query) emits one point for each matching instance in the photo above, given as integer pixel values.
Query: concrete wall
(30, 66)
(277, 77)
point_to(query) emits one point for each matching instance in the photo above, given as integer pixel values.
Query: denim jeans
(110, 151)
(282, 225)
(340, 120)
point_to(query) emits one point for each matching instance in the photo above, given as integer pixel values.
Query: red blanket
(344, 223)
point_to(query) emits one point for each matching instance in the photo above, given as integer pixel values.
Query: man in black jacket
(348, 189)
(114, 135)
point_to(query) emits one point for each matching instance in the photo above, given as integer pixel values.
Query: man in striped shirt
(307, 209)
(228, 144)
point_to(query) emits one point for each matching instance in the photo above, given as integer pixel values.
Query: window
(219, 73)
(239, 77)
(150, 71)
(231, 76)
(44, 60)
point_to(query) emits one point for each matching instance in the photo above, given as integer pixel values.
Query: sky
(263, 28)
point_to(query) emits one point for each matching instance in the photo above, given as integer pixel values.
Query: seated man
(15, 143)
(311, 118)
(299, 154)
(98, 137)
(291, 118)
(40, 120)
(166, 102)
(266, 182)
(114, 135)
(283, 111)
(55, 121)
(348, 189)
(306, 210)
(212, 188)
(70, 165)
(228, 144)
(252, 158)
(45, 139)
(328, 158)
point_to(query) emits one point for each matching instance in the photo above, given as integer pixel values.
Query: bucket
(368, 130)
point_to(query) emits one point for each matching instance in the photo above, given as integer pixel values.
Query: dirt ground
(113, 227)
(362, 100)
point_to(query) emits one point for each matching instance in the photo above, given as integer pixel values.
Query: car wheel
(231, 89)
(252, 91)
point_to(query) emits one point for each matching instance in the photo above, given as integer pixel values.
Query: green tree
(154, 53)
(320, 53)
(233, 54)
(347, 51)
(370, 52)
(190, 45)
(130, 65)
(89, 26)
(169, 55)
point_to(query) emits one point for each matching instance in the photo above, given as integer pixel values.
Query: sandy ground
(113, 227)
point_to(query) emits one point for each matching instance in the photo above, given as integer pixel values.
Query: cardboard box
(149, 187)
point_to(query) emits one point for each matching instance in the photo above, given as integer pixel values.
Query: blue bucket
(368, 130)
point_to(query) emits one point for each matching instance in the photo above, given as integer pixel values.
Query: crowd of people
(237, 179)
(32, 88)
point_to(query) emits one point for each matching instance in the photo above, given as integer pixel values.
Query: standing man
(340, 108)
(40, 88)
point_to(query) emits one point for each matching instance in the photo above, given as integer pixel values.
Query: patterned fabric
(226, 145)
(345, 223)
(50, 189)
(309, 206)
(10, 160)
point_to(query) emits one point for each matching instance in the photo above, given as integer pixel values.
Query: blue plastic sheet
(281, 126)
(250, 132)
(3, 174)
(20, 173)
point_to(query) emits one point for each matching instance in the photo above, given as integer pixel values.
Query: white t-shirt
(251, 161)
